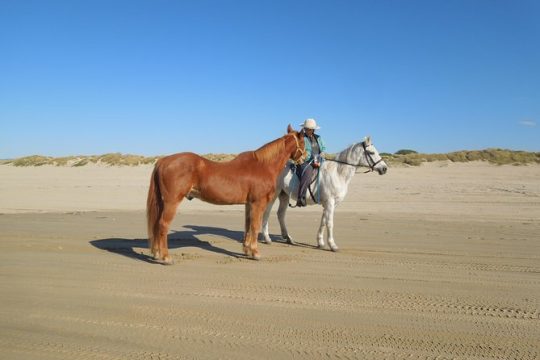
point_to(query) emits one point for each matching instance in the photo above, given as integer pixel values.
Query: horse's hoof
(267, 242)
(256, 257)
(334, 248)
(289, 240)
(167, 260)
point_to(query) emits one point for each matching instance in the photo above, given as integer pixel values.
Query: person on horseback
(314, 149)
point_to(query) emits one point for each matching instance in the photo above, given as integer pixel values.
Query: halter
(298, 149)
(369, 159)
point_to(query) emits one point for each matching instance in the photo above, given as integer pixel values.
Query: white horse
(335, 176)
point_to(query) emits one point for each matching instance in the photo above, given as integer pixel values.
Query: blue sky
(158, 77)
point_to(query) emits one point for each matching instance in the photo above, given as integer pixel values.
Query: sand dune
(437, 261)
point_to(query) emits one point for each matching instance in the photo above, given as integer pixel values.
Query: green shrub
(405, 152)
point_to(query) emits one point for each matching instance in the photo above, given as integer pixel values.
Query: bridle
(369, 159)
(299, 149)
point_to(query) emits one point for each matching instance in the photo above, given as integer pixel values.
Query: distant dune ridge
(495, 156)
(401, 157)
(111, 159)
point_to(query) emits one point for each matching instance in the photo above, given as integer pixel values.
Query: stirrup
(299, 203)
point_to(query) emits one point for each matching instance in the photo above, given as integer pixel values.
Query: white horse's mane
(345, 156)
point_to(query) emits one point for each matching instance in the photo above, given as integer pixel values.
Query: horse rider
(314, 150)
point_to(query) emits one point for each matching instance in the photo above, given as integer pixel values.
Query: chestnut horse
(248, 179)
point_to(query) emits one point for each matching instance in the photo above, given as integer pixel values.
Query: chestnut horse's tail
(154, 210)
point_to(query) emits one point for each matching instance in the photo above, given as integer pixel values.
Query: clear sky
(161, 76)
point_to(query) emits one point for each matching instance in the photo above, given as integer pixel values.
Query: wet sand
(439, 261)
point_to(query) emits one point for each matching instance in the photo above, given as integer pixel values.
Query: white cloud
(528, 123)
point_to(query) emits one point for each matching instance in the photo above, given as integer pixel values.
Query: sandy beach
(440, 261)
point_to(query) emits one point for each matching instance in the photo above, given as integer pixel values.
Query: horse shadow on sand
(133, 248)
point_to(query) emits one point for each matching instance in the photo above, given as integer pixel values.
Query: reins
(355, 165)
(369, 159)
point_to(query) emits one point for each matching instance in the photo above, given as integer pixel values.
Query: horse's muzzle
(382, 170)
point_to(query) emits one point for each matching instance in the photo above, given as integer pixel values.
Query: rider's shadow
(134, 248)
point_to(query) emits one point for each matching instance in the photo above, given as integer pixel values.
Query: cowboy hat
(310, 124)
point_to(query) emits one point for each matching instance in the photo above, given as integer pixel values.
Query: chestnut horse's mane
(267, 153)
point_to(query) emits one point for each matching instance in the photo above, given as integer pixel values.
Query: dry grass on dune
(494, 156)
(111, 159)
(404, 157)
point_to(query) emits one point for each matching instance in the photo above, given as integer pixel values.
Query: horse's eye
(371, 152)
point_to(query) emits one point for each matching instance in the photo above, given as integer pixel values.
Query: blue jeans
(305, 173)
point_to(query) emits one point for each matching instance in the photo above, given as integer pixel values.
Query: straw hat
(310, 124)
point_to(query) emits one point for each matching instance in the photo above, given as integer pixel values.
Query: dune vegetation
(404, 157)
(111, 159)
(494, 156)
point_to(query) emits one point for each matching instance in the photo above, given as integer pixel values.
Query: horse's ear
(290, 129)
(367, 140)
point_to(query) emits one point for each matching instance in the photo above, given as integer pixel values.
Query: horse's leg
(330, 225)
(256, 213)
(247, 225)
(169, 210)
(320, 233)
(327, 220)
(266, 236)
(327, 205)
(282, 211)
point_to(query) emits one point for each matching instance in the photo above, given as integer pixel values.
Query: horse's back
(179, 168)
(179, 160)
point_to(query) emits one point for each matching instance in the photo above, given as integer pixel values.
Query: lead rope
(318, 188)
